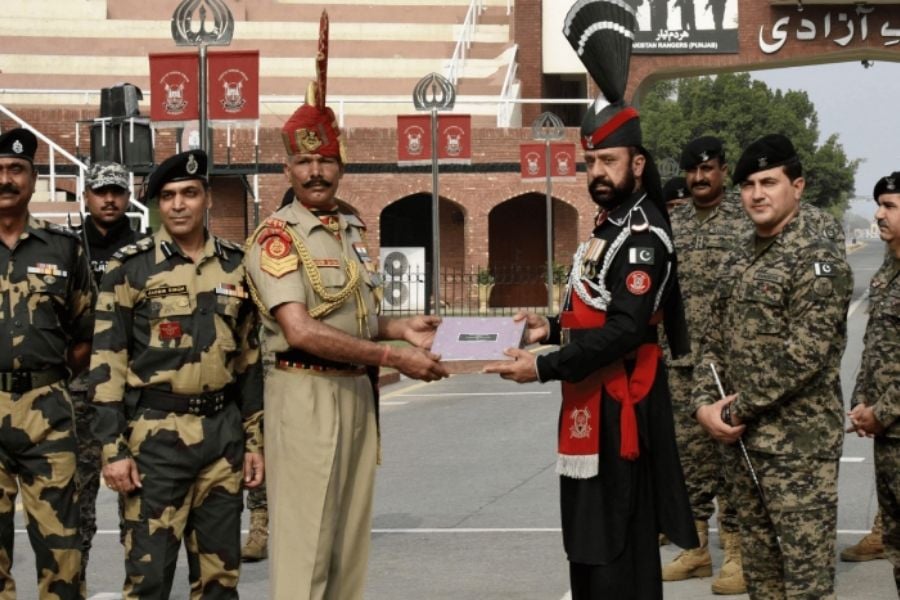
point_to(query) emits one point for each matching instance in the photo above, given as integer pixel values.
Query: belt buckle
(195, 405)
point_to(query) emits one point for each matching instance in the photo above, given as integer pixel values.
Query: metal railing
(451, 72)
(53, 150)
(500, 290)
(509, 91)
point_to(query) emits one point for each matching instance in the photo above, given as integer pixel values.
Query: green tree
(740, 109)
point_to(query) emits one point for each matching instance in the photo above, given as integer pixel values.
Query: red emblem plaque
(638, 283)
(278, 245)
(169, 330)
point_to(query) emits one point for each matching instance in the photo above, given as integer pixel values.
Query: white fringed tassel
(578, 467)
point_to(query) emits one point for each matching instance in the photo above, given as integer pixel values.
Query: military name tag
(824, 269)
(47, 269)
(640, 256)
(166, 291)
(328, 263)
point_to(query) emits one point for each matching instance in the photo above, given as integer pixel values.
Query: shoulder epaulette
(354, 220)
(230, 245)
(54, 228)
(276, 223)
(126, 252)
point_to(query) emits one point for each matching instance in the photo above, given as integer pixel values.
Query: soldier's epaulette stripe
(230, 245)
(126, 252)
(354, 221)
(53, 227)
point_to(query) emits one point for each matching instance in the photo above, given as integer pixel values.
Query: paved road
(466, 500)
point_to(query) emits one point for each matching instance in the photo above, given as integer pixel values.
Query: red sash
(579, 423)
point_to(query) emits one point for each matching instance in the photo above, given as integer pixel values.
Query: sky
(859, 105)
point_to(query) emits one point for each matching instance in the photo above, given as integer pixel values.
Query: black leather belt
(205, 405)
(19, 382)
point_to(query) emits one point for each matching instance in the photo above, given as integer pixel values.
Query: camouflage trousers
(801, 495)
(887, 477)
(701, 456)
(37, 456)
(87, 474)
(191, 473)
(257, 499)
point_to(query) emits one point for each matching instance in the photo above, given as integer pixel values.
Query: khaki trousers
(321, 450)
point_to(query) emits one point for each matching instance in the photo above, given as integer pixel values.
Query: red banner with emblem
(233, 85)
(414, 139)
(533, 160)
(174, 86)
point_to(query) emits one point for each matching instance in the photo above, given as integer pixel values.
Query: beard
(612, 195)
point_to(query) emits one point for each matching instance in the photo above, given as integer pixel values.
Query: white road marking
(853, 459)
(856, 304)
(397, 403)
(106, 596)
(568, 596)
(452, 394)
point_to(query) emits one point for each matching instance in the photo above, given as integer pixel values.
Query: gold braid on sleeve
(330, 302)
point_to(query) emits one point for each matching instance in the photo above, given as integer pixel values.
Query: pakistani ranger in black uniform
(620, 478)
(46, 318)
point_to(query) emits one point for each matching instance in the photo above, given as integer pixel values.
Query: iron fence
(498, 290)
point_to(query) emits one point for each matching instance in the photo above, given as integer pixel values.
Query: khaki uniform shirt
(357, 315)
(46, 298)
(776, 333)
(878, 381)
(164, 321)
(701, 245)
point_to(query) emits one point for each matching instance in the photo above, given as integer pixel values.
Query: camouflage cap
(102, 174)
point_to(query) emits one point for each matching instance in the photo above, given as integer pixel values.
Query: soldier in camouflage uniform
(316, 288)
(46, 315)
(106, 229)
(177, 388)
(776, 332)
(704, 231)
(876, 399)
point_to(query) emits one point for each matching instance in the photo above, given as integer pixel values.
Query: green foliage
(484, 277)
(739, 110)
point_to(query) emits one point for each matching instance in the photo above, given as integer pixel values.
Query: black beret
(889, 184)
(770, 151)
(701, 150)
(18, 143)
(675, 189)
(181, 167)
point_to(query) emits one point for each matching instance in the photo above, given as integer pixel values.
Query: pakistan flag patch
(824, 269)
(640, 256)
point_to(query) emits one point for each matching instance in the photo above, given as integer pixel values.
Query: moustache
(317, 181)
(881, 223)
(601, 181)
(9, 188)
(700, 184)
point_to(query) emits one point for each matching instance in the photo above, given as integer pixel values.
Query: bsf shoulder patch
(638, 282)
(640, 256)
(276, 258)
(824, 269)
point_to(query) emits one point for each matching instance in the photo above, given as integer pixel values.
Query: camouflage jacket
(776, 333)
(164, 321)
(47, 298)
(827, 226)
(701, 246)
(878, 381)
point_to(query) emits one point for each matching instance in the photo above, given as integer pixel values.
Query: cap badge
(17, 147)
(308, 140)
(891, 184)
(192, 165)
(704, 156)
(763, 162)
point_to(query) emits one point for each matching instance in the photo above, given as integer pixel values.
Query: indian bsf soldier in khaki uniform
(106, 229)
(704, 231)
(876, 398)
(46, 314)
(776, 332)
(317, 292)
(177, 389)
